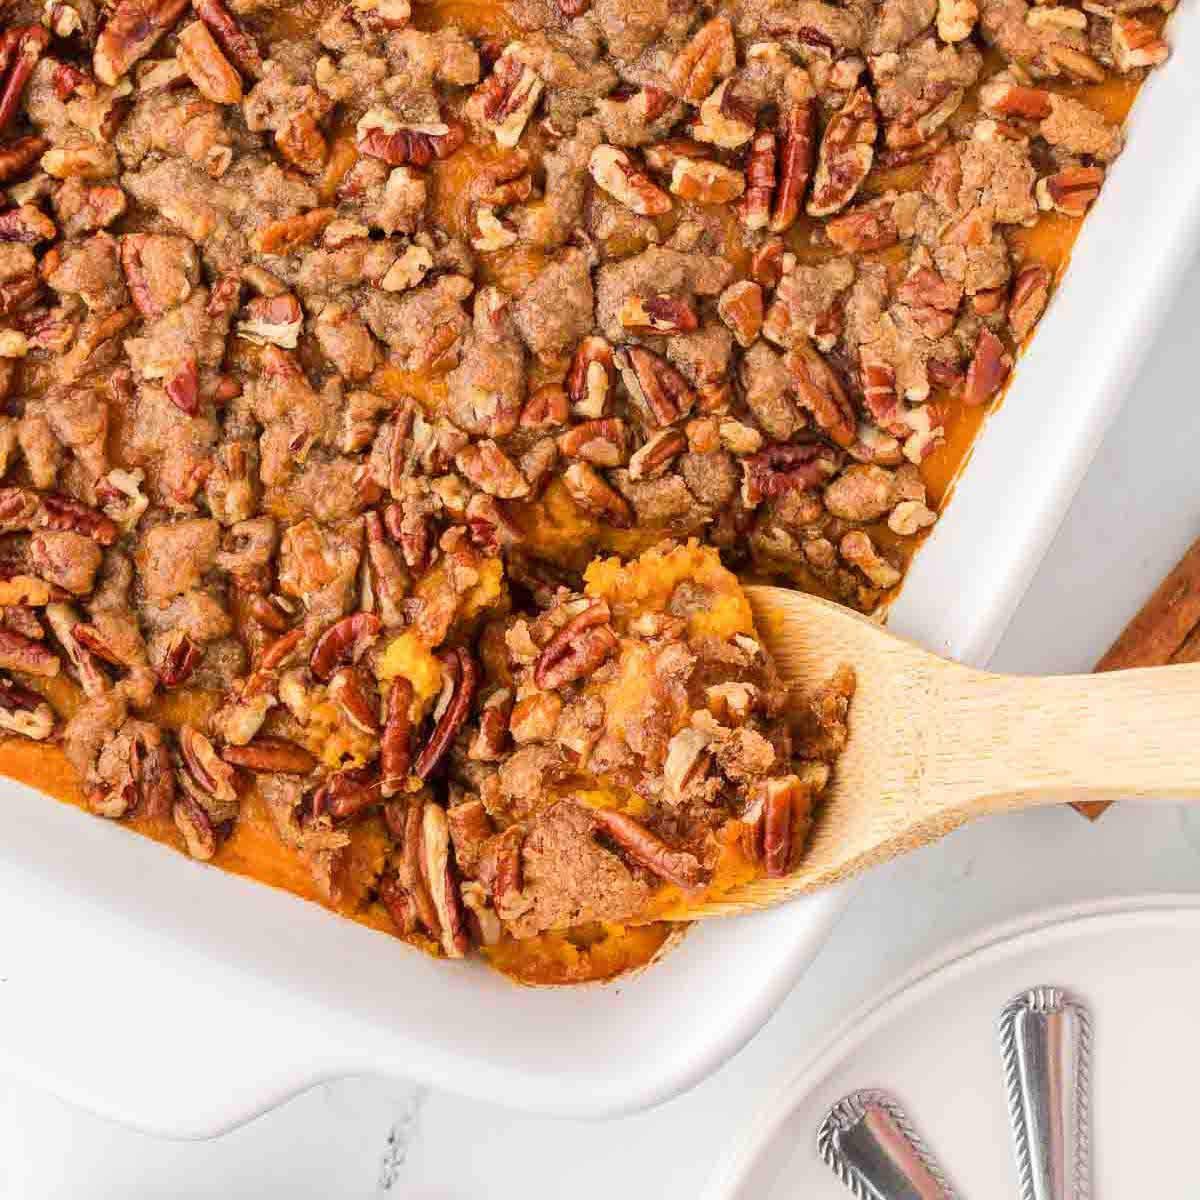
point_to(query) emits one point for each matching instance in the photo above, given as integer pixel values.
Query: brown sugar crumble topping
(337, 339)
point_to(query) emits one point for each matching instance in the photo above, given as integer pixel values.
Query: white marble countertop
(1137, 511)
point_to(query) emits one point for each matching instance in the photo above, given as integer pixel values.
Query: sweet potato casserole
(337, 340)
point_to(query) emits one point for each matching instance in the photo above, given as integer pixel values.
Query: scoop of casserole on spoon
(933, 744)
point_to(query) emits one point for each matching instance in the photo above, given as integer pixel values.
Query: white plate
(932, 1043)
(183, 1000)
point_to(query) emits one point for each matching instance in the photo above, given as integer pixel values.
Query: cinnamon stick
(1165, 630)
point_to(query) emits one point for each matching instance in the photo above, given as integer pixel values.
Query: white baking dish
(182, 1000)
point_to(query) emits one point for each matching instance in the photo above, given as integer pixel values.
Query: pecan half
(726, 120)
(705, 182)
(589, 381)
(270, 755)
(206, 66)
(650, 851)
(785, 468)
(346, 793)
(205, 768)
(1070, 192)
(577, 649)
(780, 799)
(395, 748)
(614, 172)
(240, 47)
(194, 824)
(61, 512)
(988, 370)
(755, 209)
(347, 638)
(463, 677)
(280, 650)
(655, 385)
(547, 408)
(23, 46)
(346, 690)
(388, 577)
(437, 867)
(180, 660)
(491, 470)
(657, 454)
(709, 56)
(400, 905)
(846, 154)
(588, 488)
(867, 227)
(796, 154)
(130, 33)
(24, 712)
(1030, 291)
(290, 233)
(382, 136)
(821, 392)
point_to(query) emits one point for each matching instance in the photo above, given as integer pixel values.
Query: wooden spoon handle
(1011, 742)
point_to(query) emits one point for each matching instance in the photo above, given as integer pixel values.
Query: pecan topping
(395, 748)
(846, 154)
(655, 385)
(588, 488)
(650, 851)
(988, 370)
(347, 638)
(206, 66)
(381, 136)
(1004, 99)
(613, 170)
(1070, 192)
(26, 225)
(400, 905)
(462, 677)
(282, 237)
(60, 512)
(1135, 44)
(755, 209)
(785, 468)
(658, 453)
(576, 650)
(270, 755)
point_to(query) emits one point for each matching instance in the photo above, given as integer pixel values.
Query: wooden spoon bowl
(933, 744)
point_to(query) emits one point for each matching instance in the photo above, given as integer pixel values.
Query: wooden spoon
(933, 744)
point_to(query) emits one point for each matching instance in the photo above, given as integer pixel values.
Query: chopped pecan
(26, 225)
(268, 613)
(183, 388)
(588, 488)
(180, 661)
(784, 468)
(650, 851)
(846, 154)
(655, 385)
(726, 121)
(382, 136)
(857, 549)
(577, 649)
(988, 370)
(395, 747)
(867, 227)
(290, 233)
(821, 392)
(797, 152)
(24, 712)
(547, 408)
(600, 442)
(492, 735)
(657, 454)
(770, 262)
(1075, 62)
(270, 755)
(235, 41)
(614, 171)
(17, 156)
(442, 881)
(347, 638)
(1030, 291)
(206, 66)
(507, 98)
(663, 156)
(1136, 44)
(20, 653)
(705, 182)
(400, 905)
(657, 314)
(755, 209)
(463, 677)
(300, 140)
(132, 29)
(491, 470)
(740, 306)
(1003, 98)
(61, 512)
(589, 382)
(780, 800)
(1070, 192)
(274, 319)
